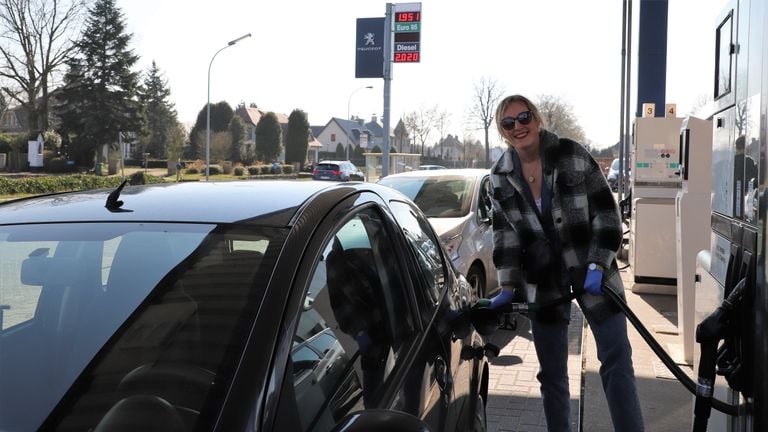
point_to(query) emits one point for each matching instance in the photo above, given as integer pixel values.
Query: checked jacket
(586, 221)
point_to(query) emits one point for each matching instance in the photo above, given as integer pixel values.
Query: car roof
(272, 202)
(470, 172)
(332, 162)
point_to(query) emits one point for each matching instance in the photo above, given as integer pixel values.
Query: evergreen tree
(268, 136)
(297, 137)
(100, 95)
(159, 112)
(339, 151)
(237, 131)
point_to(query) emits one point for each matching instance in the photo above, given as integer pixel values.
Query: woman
(556, 228)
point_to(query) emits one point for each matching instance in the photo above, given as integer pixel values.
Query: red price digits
(408, 17)
(406, 57)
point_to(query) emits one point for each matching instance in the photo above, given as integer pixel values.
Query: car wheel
(478, 417)
(476, 278)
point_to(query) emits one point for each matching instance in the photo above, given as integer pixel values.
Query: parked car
(457, 203)
(337, 170)
(431, 167)
(251, 305)
(613, 176)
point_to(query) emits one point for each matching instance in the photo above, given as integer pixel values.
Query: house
(358, 133)
(352, 133)
(14, 120)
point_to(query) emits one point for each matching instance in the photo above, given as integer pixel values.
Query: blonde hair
(509, 100)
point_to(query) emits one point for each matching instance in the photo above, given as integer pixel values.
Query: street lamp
(208, 106)
(349, 101)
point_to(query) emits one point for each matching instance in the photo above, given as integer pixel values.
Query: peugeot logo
(369, 39)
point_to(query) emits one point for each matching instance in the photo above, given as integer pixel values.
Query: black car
(337, 171)
(269, 306)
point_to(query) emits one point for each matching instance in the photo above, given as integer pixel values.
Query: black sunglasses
(508, 123)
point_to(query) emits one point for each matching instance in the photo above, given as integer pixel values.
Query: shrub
(137, 178)
(265, 169)
(239, 171)
(287, 169)
(65, 183)
(214, 169)
(254, 170)
(192, 170)
(226, 167)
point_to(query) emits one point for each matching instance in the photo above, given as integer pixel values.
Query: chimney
(360, 121)
(374, 119)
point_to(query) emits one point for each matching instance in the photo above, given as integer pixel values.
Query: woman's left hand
(593, 283)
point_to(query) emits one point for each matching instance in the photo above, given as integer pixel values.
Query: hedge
(51, 184)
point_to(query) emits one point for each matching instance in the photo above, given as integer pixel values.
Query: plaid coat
(585, 215)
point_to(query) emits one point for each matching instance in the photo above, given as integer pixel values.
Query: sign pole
(387, 88)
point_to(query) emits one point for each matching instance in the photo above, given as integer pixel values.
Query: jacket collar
(548, 146)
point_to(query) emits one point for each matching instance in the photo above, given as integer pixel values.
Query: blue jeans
(616, 372)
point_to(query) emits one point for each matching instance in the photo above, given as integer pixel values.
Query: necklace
(531, 179)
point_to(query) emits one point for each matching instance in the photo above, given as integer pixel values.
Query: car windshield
(437, 196)
(155, 301)
(615, 165)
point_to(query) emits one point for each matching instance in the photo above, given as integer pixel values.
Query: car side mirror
(379, 420)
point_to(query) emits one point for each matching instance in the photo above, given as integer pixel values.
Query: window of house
(333, 137)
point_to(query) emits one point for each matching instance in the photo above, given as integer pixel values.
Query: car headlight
(452, 245)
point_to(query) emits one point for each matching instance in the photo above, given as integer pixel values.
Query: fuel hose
(681, 376)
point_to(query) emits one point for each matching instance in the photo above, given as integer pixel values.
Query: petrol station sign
(407, 31)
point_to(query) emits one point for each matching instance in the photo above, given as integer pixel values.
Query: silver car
(457, 203)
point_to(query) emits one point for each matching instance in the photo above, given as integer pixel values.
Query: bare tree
(37, 38)
(487, 95)
(442, 118)
(420, 124)
(559, 118)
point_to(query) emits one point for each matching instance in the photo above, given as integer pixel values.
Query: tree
(297, 137)
(340, 151)
(559, 118)
(159, 111)
(442, 119)
(487, 95)
(176, 139)
(268, 137)
(420, 124)
(100, 95)
(237, 132)
(38, 35)
(221, 115)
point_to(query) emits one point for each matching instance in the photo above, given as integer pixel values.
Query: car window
(436, 196)
(163, 305)
(484, 199)
(425, 246)
(357, 316)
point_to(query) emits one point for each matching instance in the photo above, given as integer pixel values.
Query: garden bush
(287, 169)
(214, 169)
(254, 170)
(66, 183)
(239, 171)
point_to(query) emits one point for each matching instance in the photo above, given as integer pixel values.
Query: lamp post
(349, 101)
(208, 105)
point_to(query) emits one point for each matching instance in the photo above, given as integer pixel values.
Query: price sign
(407, 29)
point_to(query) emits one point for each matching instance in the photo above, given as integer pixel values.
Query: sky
(302, 55)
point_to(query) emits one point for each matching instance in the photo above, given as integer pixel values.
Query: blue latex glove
(502, 298)
(593, 283)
